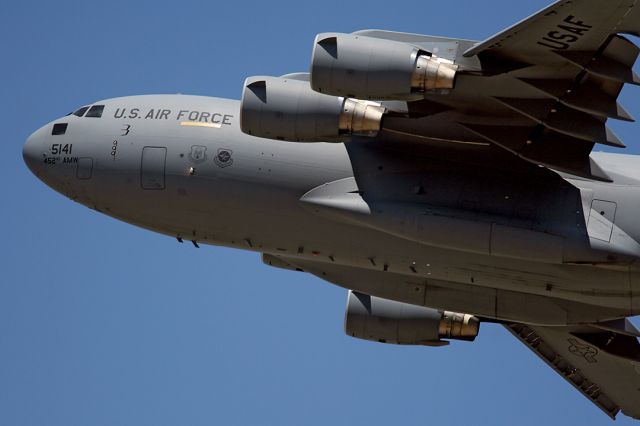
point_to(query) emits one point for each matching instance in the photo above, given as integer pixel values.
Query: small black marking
(583, 351)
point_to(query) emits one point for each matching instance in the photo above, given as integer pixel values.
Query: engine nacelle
(371, 68)
(287, 109)
(387, 321)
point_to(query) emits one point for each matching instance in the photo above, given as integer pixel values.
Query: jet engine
(371, 68)
(387, 321)
(287, 109)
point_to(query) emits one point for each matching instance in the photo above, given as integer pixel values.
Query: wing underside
(603, 365)
(550, 27)
(542, 89)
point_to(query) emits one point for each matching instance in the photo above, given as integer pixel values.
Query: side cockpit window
(95, 111)
(80, 112)
(59, 129)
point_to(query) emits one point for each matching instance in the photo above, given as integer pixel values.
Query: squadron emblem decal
(198, 153)
(223, 158)
(583, 351)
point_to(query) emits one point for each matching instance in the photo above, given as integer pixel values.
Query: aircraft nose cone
(32, 152)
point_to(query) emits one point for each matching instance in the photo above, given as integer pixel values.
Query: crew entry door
(152, 168)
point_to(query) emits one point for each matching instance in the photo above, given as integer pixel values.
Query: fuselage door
(152, 167)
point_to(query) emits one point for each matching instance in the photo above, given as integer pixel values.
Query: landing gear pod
(388, 321)
(287, 109)
(370, 68)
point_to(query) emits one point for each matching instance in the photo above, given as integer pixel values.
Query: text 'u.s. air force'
(179, 115)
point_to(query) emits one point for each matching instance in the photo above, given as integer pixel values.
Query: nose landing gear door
(152, 169)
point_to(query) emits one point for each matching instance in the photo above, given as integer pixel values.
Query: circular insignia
(224, 157)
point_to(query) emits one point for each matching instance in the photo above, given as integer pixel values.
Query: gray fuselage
(180, 165)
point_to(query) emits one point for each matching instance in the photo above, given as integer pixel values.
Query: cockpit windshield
(95, 111)
(80, 112)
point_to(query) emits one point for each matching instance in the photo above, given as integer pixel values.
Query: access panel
(601, 220)
(84, 168)
(152, 169)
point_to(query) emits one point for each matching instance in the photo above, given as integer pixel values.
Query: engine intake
(370, 68)
(287, 109)
(388, 321)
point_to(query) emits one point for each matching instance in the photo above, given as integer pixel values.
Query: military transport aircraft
(444, 182)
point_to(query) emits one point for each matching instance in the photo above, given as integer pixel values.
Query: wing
(604, 365)
(542, 90)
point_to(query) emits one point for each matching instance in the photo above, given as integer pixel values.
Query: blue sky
(102, 323)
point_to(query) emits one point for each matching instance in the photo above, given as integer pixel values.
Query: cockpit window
(80, 112)
(59, 129)
(95, 111)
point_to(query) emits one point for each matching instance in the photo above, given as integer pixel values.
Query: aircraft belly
(274, 222)
(496, 287)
